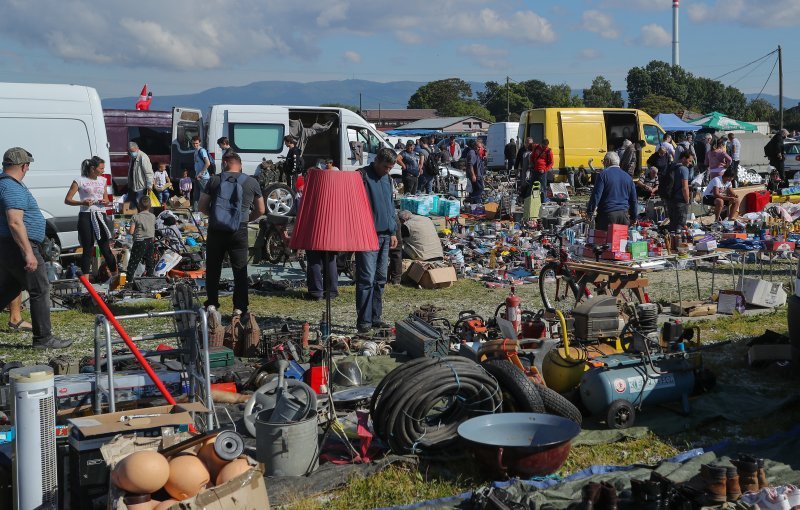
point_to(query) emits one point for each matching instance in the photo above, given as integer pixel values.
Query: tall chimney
(676, 60)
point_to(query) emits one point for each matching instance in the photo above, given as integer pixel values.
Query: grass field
(401, 485)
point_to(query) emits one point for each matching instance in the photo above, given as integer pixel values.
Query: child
(143, 229)
(186, 184)
(161, 184)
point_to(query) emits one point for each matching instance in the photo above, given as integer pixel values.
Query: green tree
(497, 99)
(537, 92)
(760, 110)
(600, 95)
(655, 104)
(438, 94)
(467, 108)
(659, 78)
(561, 97)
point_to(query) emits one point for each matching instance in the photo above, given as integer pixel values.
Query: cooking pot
(520, 444)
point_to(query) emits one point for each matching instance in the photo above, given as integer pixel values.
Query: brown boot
(608, 497)
(591, 497)
(761, 474)
(715, 482)
(734, 492)
(748, 475)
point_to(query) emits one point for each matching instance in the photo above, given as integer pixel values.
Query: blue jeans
(542, 178)
(371, 271)
(476, 196)
(163, 197)
(425, 184)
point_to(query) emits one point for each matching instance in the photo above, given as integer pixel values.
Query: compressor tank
(622, 377)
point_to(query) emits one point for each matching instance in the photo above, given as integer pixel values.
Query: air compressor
(618, 385)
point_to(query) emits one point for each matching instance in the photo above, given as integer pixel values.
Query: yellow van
(577, 135)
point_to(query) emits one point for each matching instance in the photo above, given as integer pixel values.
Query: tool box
(419, 339)
(219, 356)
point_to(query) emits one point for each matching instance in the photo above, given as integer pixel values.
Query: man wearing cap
(22, 230)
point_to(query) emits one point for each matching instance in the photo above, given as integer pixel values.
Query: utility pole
(508, 99)
(780, 87)
(359, 103)
(379, 114)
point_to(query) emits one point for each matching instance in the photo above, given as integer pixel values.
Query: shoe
(53, 343)
(608, 497)
(590, 497)
(733, 490)
(647, 494)
(767, 499)
(748, 474)
(22, 325)
(237, 312)
(792, 494)
(381, 325)
(364, 329)
(715, 483)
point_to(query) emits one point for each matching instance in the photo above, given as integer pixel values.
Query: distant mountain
(389, 95)
(788, 102)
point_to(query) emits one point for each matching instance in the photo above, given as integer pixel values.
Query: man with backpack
(673, 189)
(231, 200)
(426, 166)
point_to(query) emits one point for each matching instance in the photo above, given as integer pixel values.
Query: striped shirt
(15, 195)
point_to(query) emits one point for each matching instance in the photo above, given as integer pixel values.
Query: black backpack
(666, 182)
(431, 166)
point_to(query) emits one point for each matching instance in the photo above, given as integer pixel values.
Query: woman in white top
(92, 220)
(719, 193)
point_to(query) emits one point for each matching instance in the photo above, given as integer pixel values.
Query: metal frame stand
(193, 354)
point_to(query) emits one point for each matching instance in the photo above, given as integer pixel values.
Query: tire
(555, 403)
(519, 392)
(620, 415)
(273, 248)
(278, 199)
(561, 294)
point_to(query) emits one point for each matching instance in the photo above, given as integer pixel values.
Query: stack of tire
(522, 395)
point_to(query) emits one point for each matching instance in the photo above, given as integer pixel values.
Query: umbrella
(671, 122)
(720, 122)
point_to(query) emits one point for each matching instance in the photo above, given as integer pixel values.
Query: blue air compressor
(654, 369)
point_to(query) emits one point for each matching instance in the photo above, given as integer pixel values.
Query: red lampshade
(335, 214)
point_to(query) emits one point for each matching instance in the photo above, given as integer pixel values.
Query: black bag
(431, 165)
(666, 182)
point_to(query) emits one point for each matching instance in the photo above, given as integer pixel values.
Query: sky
(182, 47)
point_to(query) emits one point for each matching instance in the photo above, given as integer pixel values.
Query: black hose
(419, 405)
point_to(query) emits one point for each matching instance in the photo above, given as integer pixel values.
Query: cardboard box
(91, 432)
(730, 301)
(429, 276)
(762, 293)
(179, 203)
(706, 246)
(734, 235)
(638, 249)
(742, 192)
(491, 209)
(779, 245)
(588, 253)
(616, 255)
(600, 235)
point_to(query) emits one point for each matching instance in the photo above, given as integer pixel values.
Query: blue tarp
(671, 122)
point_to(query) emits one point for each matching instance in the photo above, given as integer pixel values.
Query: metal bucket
(287, 449)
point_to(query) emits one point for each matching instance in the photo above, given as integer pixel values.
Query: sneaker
(53, 343)
(363, 329)
(767, 499)
(382, 325)
(792, 493)
(236, 311)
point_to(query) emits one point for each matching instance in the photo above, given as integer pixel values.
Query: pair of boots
(597, 496)
(752, 476)
(659, 493)
(728, 483)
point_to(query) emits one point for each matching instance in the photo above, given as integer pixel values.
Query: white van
(61, 125)
(499, 135)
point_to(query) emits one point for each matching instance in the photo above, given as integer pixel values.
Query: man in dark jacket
(702, 146)
(474, 172)
(774, 152)
(293, 164)
(614, 195)
(510, 153)
(372, 266)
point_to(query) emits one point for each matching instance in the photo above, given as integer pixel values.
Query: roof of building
(400, 114)
(439, 122)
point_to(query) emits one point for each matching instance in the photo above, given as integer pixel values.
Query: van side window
(652, 135)
(186, 131)
(59, 145)
(247, 137)
(536, 131)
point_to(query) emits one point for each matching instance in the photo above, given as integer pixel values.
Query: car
(791, 150)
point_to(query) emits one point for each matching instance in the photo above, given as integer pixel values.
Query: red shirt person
(541, 163)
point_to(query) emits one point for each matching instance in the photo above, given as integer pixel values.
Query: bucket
(287, 449)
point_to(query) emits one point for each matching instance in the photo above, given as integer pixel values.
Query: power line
(748, 73)
(746, 65)
(768, 78)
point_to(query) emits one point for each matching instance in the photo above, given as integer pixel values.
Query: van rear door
(583, 137)
(186, 124)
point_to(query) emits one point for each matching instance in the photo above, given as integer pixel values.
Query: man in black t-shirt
(234, 244)
(294, 160)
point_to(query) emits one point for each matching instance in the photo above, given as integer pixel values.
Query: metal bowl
(520, 444)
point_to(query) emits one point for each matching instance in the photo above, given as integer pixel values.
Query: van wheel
(278, 199)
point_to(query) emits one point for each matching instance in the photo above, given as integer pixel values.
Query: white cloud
(753, 13)
(352, 57)
(408, 37)
(653, 36)
(521, 25)
(589, 54)
(599, 23)
(492, 58)
(639, 5)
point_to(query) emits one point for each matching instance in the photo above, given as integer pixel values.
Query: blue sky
(183, 47)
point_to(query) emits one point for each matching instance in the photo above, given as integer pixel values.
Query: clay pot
(187, 477)
(233, 469)
(141, 472)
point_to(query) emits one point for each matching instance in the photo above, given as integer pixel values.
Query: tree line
(658, 87)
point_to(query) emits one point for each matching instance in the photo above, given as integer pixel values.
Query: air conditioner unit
(33, 411)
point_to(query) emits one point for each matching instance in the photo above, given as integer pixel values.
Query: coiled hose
(420, 404)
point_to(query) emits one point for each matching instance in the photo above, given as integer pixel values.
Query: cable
(768, 78)
(746, 65)
(420, 404)
(748, 73)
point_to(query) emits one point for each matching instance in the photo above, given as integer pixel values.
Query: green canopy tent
(720, 122)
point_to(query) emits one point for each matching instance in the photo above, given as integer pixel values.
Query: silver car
(791, 150)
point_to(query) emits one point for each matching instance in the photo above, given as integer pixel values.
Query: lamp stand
(326, 286)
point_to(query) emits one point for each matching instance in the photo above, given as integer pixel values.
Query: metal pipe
(127, 339)
(112, 397)
(676, 61)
